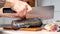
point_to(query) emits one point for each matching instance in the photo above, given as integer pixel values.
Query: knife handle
(8, 10)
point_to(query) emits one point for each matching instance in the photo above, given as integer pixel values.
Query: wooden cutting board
(24, 29)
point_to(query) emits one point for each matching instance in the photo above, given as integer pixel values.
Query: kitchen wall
(57, 10)
(57, 15)
(47, 2)
(57, 5)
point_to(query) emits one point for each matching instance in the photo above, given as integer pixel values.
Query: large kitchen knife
(24, 22)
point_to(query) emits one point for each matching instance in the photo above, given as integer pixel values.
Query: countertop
(28, 32)
(25, 32)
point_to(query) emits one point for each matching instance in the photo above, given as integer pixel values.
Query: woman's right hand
(22, 8)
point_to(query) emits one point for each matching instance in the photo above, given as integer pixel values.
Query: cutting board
(24, 29)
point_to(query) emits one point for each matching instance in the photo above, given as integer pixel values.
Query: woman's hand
(21, 8)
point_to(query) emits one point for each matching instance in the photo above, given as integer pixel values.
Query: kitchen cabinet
(30, 2)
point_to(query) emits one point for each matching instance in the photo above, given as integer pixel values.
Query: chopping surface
(25, 29)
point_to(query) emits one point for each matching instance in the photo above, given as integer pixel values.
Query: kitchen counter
(25, 32)
(28, 32)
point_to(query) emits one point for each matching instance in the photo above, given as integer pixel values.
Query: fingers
(25, 10)
(22, 13)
